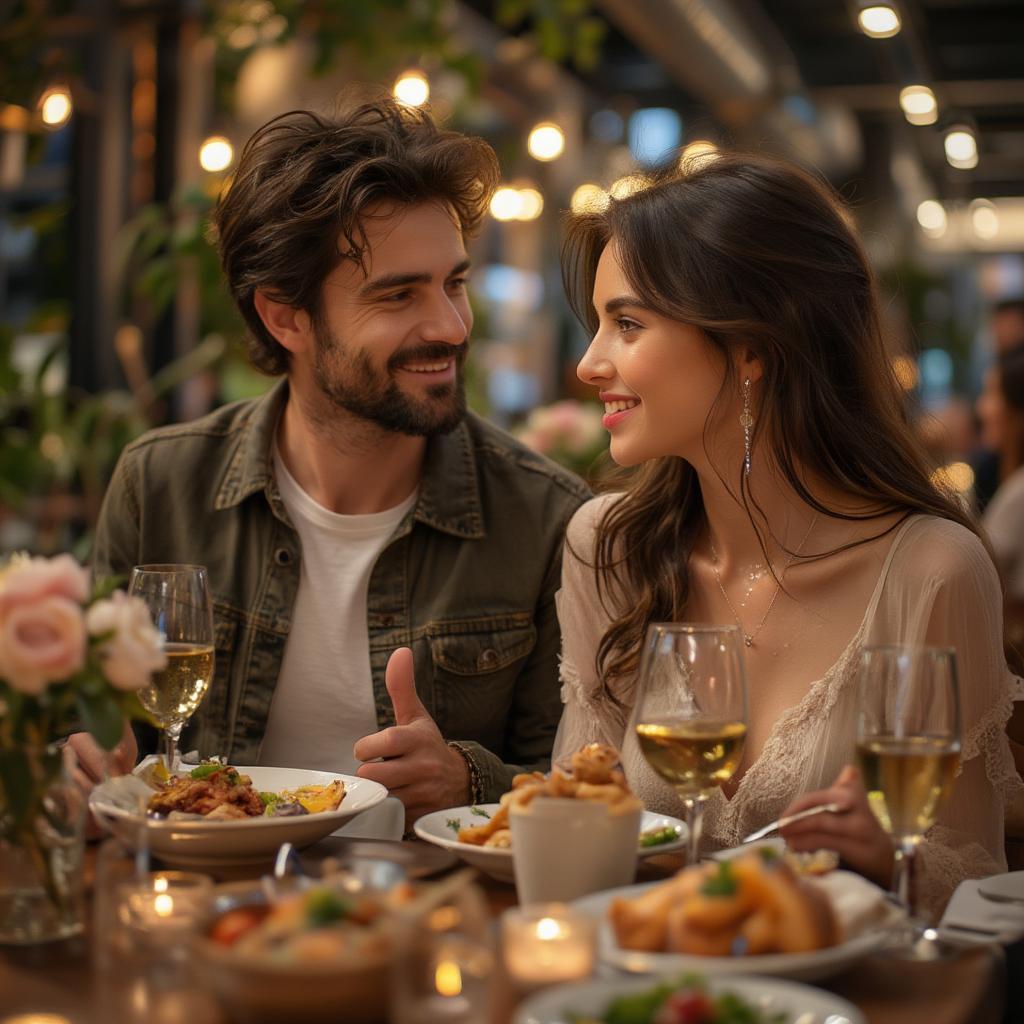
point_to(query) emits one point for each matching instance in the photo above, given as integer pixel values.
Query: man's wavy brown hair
(759, 255)
(305, 185)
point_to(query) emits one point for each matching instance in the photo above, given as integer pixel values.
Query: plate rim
(525, 1014)
(374, 791)
(503, 853)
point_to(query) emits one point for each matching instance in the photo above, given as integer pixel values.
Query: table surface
(59, 978)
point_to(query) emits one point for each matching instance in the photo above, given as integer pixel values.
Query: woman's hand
(854, 833)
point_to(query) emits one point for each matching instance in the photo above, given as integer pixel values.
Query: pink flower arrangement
(568, 431)
(69, 658)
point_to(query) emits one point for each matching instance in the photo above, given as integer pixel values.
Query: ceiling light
(546, 141)
(216, 154)
(880, 21)
(589, 198)
(55, 106)
(411, 89)
(531, 204)
(931, 215)
(629, 185)
(697, 153)
(919, 104)
(961, 147)
(984, 219)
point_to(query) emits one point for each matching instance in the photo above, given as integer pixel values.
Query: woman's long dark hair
(757, 254)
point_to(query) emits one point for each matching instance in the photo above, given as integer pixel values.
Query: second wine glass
(690, 715)
(178, 598)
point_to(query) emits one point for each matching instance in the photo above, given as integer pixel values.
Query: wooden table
(59, 979)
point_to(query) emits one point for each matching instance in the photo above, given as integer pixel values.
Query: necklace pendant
(748, 639)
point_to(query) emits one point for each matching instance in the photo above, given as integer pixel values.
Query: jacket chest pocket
(475, 672)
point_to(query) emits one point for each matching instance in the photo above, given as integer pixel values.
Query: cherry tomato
(686, 1008)
(228, 929)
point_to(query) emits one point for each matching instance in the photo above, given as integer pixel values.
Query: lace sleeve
(590, 715)
(946, 592)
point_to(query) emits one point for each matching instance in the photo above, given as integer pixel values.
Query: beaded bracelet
(476, 782)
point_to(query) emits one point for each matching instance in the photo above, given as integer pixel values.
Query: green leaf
(104, 588)
(102, 717)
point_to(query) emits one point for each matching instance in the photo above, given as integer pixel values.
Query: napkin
(859, 905)
(981, 919)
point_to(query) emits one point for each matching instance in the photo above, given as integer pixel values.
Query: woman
(1001, 411)
(738, 351)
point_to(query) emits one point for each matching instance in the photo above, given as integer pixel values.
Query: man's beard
(351, 382)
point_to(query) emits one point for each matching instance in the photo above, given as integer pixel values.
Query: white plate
(496, 861)
(800, 1003)
(198, 843)
(822, 963)
(1008, 886)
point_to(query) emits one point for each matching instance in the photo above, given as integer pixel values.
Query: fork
(788, 819)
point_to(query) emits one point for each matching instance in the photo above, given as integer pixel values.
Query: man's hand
(417, 765)
(854, 833)
(91, 764)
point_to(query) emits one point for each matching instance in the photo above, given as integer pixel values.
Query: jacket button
(487, 658)
(283, 556)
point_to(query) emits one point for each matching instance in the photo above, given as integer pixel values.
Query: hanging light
(216, 154)
(629, 185)
(589, 198)
(961, 147)
(879, 21)
(55, 106)
(546, 141)
(984, 219)
(919, 105)
(506, 204)
(531, 204)
(695, 154)
(931, 215)
(411, 89)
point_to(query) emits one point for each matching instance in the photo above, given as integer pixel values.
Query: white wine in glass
(690, 715)
(908, 746)
(178, 598)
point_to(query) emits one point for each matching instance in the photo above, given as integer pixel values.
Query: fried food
(595, 776)
(221, 788)
(752, 904)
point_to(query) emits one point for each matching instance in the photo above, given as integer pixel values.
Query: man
(358, 513)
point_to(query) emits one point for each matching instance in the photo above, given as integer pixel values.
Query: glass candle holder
(547, 943)
(161, 909)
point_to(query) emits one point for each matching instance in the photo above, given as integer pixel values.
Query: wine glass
(908, 746)
(690, 715)
(178, 598)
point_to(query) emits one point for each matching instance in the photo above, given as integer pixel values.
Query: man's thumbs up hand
(411, 757)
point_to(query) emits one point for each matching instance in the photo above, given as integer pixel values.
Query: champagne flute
(690, 715)
(178, 598)
(908, 746)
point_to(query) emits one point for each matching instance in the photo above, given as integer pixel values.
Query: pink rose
(42, 641)
(135, 650)
(26, 580)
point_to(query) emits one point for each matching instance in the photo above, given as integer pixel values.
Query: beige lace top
(937, 586)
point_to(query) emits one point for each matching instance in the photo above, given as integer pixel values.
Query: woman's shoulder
(583, 526)
(930, 548)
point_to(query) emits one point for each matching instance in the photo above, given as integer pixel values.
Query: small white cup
(565, 848)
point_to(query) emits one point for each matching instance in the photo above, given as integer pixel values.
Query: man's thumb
(401, 684)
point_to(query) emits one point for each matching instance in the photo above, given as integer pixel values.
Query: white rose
(135, 650)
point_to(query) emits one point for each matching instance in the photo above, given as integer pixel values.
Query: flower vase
(42, 844)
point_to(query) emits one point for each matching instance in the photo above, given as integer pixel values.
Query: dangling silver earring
(747, 421)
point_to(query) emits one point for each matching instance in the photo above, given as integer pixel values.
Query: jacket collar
(449, 498)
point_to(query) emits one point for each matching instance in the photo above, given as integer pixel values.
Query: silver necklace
(748, 638)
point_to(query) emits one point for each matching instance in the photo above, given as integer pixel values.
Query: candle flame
(548, 928)
(164, 905)
(448, 978)
(160, 884)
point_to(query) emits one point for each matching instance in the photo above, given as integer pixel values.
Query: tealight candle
(164, 907)
(452, 985)
(547, 943)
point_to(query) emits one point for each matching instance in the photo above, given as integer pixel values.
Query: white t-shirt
(323, 701)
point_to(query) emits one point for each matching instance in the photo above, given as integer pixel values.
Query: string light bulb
(55, 106)
(931, 215)
(961, 148)
(589, 198)
(546, 141)
(919, 105)
(411, 89)
(216, 154)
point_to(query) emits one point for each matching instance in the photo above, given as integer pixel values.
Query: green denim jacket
(467, 581)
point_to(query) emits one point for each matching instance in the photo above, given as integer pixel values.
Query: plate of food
(217, 815)
(751, 914)
(693, 1000)
(481, 835)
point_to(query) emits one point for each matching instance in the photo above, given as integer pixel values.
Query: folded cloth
(385, 821)
(859, 905)
(971, 917)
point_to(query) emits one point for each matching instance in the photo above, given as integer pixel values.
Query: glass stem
(171, 734)
(694, 822)
(903, 876)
